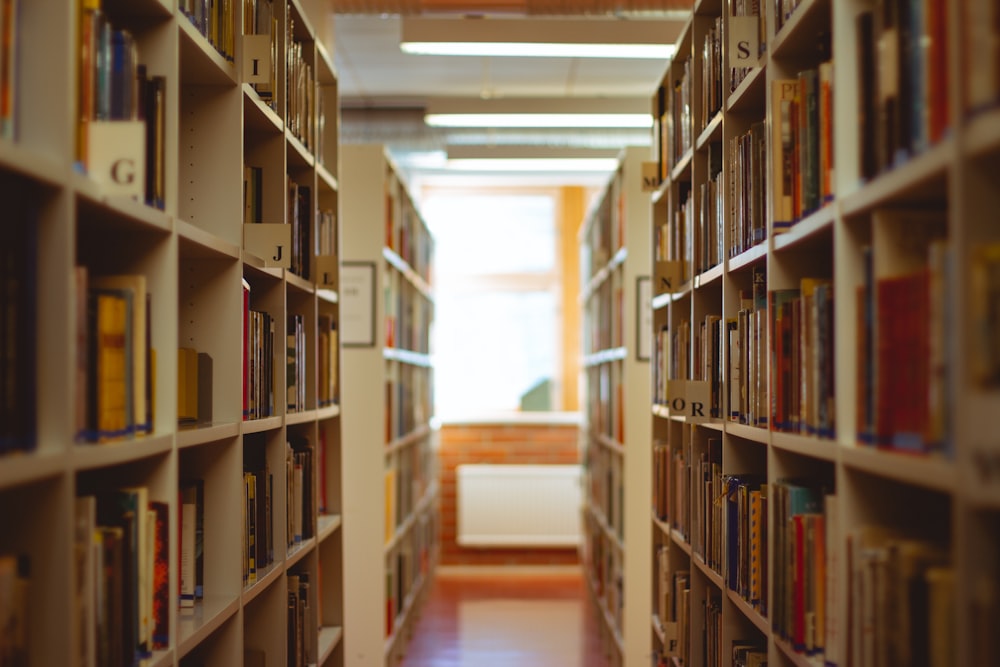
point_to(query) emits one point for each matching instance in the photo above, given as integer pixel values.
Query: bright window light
(534, 164)
(538, 120)
(540, 50)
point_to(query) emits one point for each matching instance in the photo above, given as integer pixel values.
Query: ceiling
(383, 90)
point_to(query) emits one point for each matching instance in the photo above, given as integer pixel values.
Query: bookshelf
(391, 494)
(138, 446)
(826, 298)
(615, 390)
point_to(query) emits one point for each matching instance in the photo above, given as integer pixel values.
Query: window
(498, 294)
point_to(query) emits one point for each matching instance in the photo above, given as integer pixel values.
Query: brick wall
(509, 443)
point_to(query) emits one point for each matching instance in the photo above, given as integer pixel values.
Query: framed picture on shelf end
(643, 318)
(357, 304)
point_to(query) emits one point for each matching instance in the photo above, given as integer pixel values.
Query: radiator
(518, 505)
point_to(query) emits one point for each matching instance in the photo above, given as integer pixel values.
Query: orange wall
(500, 443)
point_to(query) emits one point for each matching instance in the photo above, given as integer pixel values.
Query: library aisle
(491, 618)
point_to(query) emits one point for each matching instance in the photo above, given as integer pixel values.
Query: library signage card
(257, 58)
(272, 242)
(743, 41)
(117, 156)
(326, 268)
(691, 399)
(650, 176)
(668, 276)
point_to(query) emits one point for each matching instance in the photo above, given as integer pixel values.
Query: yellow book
(187, 385)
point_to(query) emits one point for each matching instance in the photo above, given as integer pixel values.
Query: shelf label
(326, 268)
(691, 399)
(743, 41)
(650, 176)
(670, 643)
(272, 242)
(668, 275)
(117, 156)
(257, 59)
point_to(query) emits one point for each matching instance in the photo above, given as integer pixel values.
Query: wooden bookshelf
(614, 440)
(388, 307)
(862, 409)
(182, 234)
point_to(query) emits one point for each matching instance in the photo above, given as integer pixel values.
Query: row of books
(803, 606)
(903, 69)
(300, 486)
(408, 314)
(747, 198)
(711, 73)
(901, 600)
(901, 314)
(802, 359)
(605, 401)
(259, 19)
(674, 610)
(749, 8)
(15, 591)
(295, 373)
(678, 130)
(258, 529)
(605, 486)
(671, 236)
(114, 389)
(605, 313)
(121, 560)
(408, 394)
(258, 361)
(328, 345)
(10, 11)
(194, 387)
(406, 567)
(301, 91)
(18, 291)
(802, 141)
(709, 232)
(405, 231)
(216, 21)
(191, 532)
(302, 620)
(300, 210)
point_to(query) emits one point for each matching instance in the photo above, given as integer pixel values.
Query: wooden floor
(499, 618)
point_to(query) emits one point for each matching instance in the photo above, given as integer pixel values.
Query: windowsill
(512, 418)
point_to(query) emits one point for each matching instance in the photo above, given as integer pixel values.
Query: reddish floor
(501, 619)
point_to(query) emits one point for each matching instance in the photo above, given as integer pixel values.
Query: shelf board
(755, 433)
(197, 243)
(609, 620)
(265, 578)
(201, 64)
(299, 283)
(21, 468)
(328, 412)
(923, 179)
(255, 263)
(86, 456)
(806, 445)
(117, 211)
(661, 411)
(326, 178)
(680, 169)
(714, 577)
(261, 425)
(327, 525)
(403, 267)
(982, 134)
(606, 528)
(162, 658)
(257, 114)
(608, 443)
(410, 438)
(712, 132)
(300, 156)
(796, 658)
(603, 274)
(326, 73)
(605, 356)
(662, 525)
(411, 520)
(661, 191)
(930, 471)
(201, 434)
(679, 540)
(798, 35)
(21, 159)
(327, 295)
(749, 611)
(329, 637)
(665, 299)
(750, 96)
(748, 257)
(402, 618)
(817, 224)
(194, 625)
(407, 357)
(706, 278)
(297, 552)
(303, 417)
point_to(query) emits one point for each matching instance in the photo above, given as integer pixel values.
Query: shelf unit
(614, 263)
(183, 236)
(391, 493)
(836, 502)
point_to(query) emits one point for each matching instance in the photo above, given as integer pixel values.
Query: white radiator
(518, 505)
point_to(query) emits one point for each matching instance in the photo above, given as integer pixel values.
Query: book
(108, 369)
(160, 611)
(784, 98)
(189, 501)
(187, 386)
(9, 45)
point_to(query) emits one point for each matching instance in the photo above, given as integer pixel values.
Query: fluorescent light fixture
(527, 112)
(514, 158)
(545, 37)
